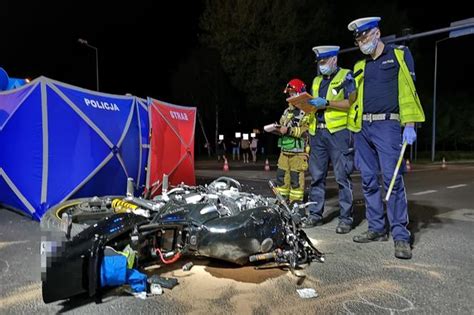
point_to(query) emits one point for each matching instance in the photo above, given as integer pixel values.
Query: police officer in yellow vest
(329, 137)
(293, 160)
(386, 102)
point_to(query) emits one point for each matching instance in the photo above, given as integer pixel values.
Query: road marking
(456, 186)
(402, 304)
(424, 192)
(459, 214)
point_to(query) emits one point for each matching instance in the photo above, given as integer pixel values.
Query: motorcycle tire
(81, 218)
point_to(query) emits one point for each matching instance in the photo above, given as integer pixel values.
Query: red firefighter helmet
(295, 85)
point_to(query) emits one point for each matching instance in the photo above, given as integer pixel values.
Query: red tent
(171, 145)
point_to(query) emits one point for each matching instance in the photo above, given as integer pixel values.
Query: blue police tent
(7, 83)
(59, 142)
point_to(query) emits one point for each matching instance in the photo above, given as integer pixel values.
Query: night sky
(142, 43)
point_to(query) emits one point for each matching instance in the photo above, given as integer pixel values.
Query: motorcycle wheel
(84, 212)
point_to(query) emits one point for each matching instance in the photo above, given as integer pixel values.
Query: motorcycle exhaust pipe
(260, 257)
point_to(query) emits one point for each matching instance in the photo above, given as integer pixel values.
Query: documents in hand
(273, 128)
(301, 101)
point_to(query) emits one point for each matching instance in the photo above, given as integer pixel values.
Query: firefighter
(293, 160)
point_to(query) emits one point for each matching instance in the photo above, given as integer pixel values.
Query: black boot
(370, 236)
(343, 228)
(310, 222)
(402, 250)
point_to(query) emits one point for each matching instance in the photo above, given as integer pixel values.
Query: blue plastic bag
(113, 270)
(136, 280)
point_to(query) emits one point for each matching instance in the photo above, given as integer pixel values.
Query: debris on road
(167, 283)
(188, 266)
(155, 289)
(307, 293)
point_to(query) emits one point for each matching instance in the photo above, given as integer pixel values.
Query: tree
(263, 44)
(455, 127)
(200, 81)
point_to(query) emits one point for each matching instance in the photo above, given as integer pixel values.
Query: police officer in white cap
(329, 137)
(382, 118)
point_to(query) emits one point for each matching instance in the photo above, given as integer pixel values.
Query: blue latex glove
(318, 102)
(409, 134)
(349, 77)
(349, 84)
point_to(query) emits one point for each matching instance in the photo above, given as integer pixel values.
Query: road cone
(226, 165)
(408, 165)
(267, 165)
(443, 164)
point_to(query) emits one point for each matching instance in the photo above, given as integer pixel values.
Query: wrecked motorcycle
(217, 221)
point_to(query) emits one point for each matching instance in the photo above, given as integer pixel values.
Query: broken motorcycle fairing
(217, 221)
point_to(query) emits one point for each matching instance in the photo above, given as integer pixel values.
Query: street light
(433, 137)
(84, 42)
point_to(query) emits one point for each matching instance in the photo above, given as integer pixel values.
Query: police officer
(386, 102)
(293, 160)
(330, 138)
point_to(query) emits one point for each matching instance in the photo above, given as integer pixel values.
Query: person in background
(253, 148)
(235, 143)
(220, 150)
(245, 146)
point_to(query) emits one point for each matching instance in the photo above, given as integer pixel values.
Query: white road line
(424, 192)
(456, 186)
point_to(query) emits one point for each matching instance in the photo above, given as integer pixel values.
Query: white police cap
(325, 51)
(363, 24)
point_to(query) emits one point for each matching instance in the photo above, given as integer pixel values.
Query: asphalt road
(356, 278)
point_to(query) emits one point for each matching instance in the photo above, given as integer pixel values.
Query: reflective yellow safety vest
(295, 119)
(408, 101)
(336, 119)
